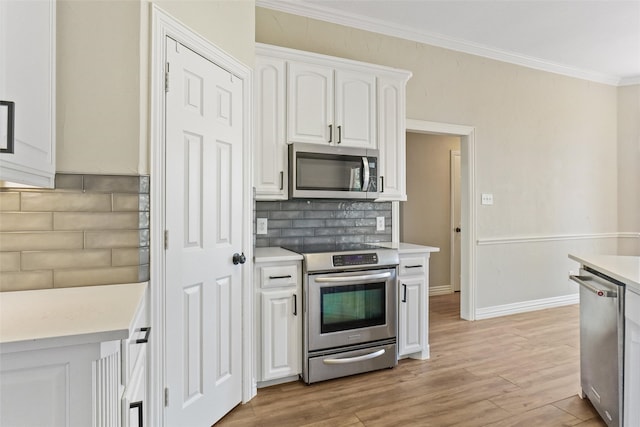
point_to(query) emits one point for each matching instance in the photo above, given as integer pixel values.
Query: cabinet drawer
(412, 266)
(281, 275)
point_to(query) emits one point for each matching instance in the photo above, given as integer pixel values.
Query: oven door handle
(342, 279)
(354, 359)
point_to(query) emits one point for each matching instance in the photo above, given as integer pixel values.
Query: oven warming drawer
(350, 361)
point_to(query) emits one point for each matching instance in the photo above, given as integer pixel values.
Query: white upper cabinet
(270, 152)
(392, 139)
(334, 106)
(311, 98)
(27, 80)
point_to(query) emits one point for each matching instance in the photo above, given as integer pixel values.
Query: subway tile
(9, 261)
(26, 221)
(378, 238)
(330, 231)
(69, 182)
(374, 214)
(143, 273)
(350, 214)
(365, 222)
(95, 220)
(128, 256)
(289, 241)
(267, 206)
(350, 239)
(143, 220)
(42, 260)
(298, 205)
(279, 223)
(297, 232)
(65, 202)
(326, 205)
(307, 223)
(38, 241)
(382, 206)
(143, 238)
(112, 239)
(145, 184)
(95, 276)
(112, 183)
(145, 256)
(341, 223)
(125, 202)
(144, 204)
(26, 280)
(9, 201)
(319, 240)
(356, 206)
(286, 215)
(319, 214)
(262, 243)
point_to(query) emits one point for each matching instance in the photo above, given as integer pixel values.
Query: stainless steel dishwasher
(602, 343)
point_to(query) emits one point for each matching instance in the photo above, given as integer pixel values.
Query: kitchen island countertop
(623, 268)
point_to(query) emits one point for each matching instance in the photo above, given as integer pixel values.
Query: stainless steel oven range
(349, 322)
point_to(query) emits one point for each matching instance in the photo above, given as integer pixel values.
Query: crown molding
(322, 13)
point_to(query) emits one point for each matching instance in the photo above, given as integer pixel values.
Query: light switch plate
(487, 199)
(261, 226)
(379, 223)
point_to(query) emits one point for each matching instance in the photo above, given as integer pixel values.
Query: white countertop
(67, 316)
(275, 254)
(407, 248)
(623, 268)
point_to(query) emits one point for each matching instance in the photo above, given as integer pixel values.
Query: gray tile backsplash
(295, 222)
(89, 230)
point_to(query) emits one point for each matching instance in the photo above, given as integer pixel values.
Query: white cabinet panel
(632, 361)
(281, 345)
(27, 78)
(310, 103)
(355, 109)
(270, 154)
(413, 303)
(392, 139)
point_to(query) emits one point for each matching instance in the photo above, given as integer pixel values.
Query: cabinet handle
(413, 266)
(330, 133)
(339, 134)
(147, 332)
(288, 276)
(382, 184)
(281, 180)
(404, 293)
(10, 114)
(138, 406)
(295, 305)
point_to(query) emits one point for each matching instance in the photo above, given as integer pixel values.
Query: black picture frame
(9, 113)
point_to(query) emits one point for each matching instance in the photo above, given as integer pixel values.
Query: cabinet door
(281, 329)
(411, 315)
(310, 103)
(632, 361)
(392, 139)
(355, 109)
(270, 159)
(134, 407)
(27, 70)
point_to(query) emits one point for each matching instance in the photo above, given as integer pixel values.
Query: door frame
(164, 25)
(452, 191)
(468, 208)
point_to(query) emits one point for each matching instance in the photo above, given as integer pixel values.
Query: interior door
(455, 220)
(203, 371)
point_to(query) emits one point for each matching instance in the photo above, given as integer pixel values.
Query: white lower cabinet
(279, 328)
(632, 361)
(413, 295)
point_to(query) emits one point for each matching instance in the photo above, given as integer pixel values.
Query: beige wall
(546, 147)
(102, 74)
(629, 166)
(425, 217)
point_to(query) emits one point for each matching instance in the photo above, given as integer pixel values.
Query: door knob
(458, 229)
(239, 258)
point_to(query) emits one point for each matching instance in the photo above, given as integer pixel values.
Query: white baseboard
(440, 290)
(523, 307)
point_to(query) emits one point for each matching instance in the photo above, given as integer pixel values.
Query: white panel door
(411, 315)
(355, 109)
(455, 220)
(280, 334)
(310, 104)
(203, 370)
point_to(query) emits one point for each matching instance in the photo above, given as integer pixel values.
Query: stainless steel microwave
(330, 172)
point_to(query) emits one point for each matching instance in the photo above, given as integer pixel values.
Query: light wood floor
(519, 370)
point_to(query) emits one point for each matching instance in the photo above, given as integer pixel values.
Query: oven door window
(348, 307)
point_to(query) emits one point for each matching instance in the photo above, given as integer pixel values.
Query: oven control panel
(344, 260)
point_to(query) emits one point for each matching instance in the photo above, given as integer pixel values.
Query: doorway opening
(466, 137)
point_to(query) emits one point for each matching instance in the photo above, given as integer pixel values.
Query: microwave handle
(365, 176)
